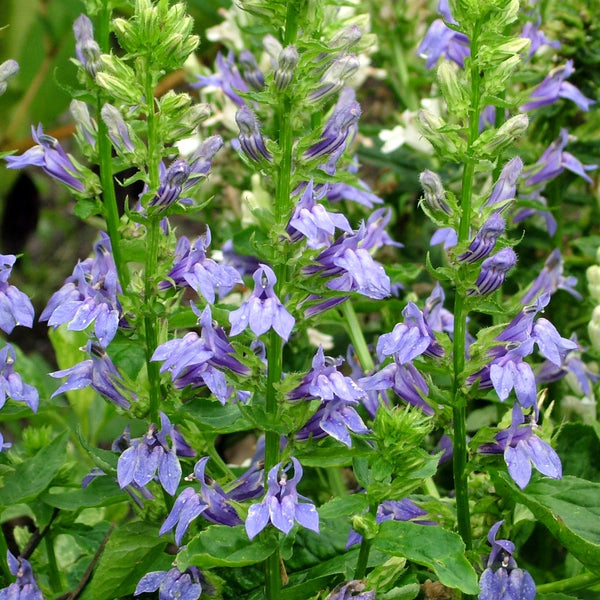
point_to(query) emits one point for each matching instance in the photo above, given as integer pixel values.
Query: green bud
(119, 80)
(594, 328)
(365, 525)
(497, 140)
(454, 92)
(593, 277)
(440, 135)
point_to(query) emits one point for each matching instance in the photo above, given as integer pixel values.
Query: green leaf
(34, 475)
(555, 596)
(101, 491)
(223, 546)
(130, 553)
(344, 507)
(569, 508)
(578, 447)
(212, 415)
(434, 547)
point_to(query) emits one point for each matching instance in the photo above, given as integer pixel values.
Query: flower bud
(287, 61)
(346, 38)
(492, 142)
(594, 328)
(118, 132)
(9, 68)
(335, 77)
(251, 139)
(593, 277)
(85, 125)
(252, 74)
(493, 272)
(452, 90)
(273, 47)
(433, 192)
(485, 240)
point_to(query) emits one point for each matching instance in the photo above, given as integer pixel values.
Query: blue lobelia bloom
(201, 360)
(49, 155)
(353, 590)
(192, 268)
(393, 510)
(440, 40)
(522, 448)
(250, 70)
(183, 585)
(281, 504)
(263, 310)
(506, 187)
(551, 279)
(171, 183)
(151, 455)
(25, 587)
(227, 78)
(100, 373)
(502, 580)
(324, 381)
(532, 32)
(554, 87)
(15, 306)
(493, 271)
(554, 161)
(89, 296)
(118, 131)
(211, 502)
(313, 221)
(11, 384)
(409, 339)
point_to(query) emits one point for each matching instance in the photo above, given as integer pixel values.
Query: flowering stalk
(459, 410)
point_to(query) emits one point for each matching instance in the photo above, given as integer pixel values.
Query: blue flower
(506, 187)
(86, 48)
(335, 76)
(252, 74)
(554, 87)
(186, 585)
(151, 455)
(15, 306)
(228, 78)
(522, 448)
(88, 296)
(336, 418)
(193, 268)
(11, 384)
(100, 373)
(263, 310)
(551, 279)
(25, 587)
(281, 504)
(9, 68)
(440, 41)
(485, 239)
(49, 155)
(502, 580)
(352, 590)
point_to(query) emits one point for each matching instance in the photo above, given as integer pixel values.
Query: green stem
(357, 337)
(459, 409)
(3, 553)
(150, 318)
(403, 88)
(363, 559)
(337, 485)
(579, 582)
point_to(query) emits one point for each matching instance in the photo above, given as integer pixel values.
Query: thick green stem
(357, 337)
(459, 411)
(363, 559)
(579, 582)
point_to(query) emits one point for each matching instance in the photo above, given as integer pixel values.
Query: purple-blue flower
(263, 310)
(336, 418)
(281, 504)
(183, 585)
(409, 339)
(193, 268)
(532, 32)
(11, 384)
(100, 373)
(554, 161)
(9, 68)
(118, 131)
(211, 502)
(393, 510)
(493, 271)
(313, 221)
(149, 456)
(227, 78)
(502, 580)
(551, 279)
(88, 296)
(439, 41)
(252, 73)
(15, 306)
(506, 186)
(49, 155)
(554, 87)
(522, 448)
(335, 76)
(171, 183)
(324, 381)
(25, 587)
(352, 590)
